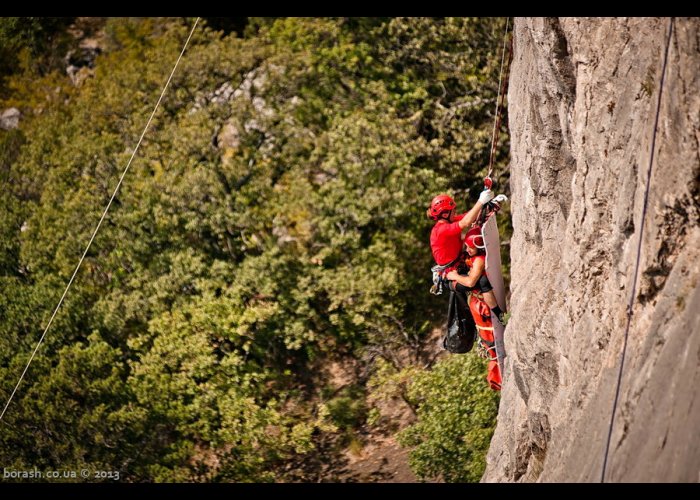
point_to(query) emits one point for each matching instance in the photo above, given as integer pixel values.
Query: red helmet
(474, 238)
(441, 203)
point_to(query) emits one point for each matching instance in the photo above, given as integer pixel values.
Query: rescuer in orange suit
(478, 285)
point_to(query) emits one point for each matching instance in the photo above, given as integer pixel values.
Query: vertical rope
(499, 100)
(104, 214)
(639, 253)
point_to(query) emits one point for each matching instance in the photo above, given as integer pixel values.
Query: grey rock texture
(582, 101)
(9, 118)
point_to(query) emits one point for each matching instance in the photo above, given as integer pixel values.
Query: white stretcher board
(489, 231)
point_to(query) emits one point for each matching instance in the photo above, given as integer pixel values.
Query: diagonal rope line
(639, 253)
(104, 214)
(498, 96)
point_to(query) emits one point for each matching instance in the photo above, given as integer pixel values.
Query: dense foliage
(456, 411)
(272, 221)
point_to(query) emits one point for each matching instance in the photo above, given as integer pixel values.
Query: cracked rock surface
(582, 101)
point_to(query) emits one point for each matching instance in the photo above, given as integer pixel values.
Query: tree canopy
(272, 221)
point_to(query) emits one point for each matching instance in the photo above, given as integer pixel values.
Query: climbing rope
(639, 252)
(104, 214)
(502, 85)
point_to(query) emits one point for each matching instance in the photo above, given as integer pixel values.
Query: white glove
(500, 198)
(485, 196)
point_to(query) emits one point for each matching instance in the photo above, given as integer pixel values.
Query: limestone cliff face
(582, 102)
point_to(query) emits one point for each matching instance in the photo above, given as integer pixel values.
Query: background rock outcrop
(582, 102)
(9, 118)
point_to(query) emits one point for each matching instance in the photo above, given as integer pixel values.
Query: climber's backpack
(461, 329)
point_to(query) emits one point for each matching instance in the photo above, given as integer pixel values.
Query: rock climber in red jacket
(446, 235)
(446, 244)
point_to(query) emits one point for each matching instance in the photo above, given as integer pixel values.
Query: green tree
(42, 40)
(456, 419)
(273, 220)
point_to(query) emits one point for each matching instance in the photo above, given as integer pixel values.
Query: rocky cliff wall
(582, 101)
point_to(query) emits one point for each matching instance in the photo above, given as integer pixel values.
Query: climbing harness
(439, 273)
(104, 214)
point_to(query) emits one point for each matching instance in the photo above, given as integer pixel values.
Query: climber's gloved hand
(485, 196)
(500, 198)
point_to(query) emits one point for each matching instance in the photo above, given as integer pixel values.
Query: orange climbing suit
(482, 317)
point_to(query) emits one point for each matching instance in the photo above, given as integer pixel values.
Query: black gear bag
(461, 329)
